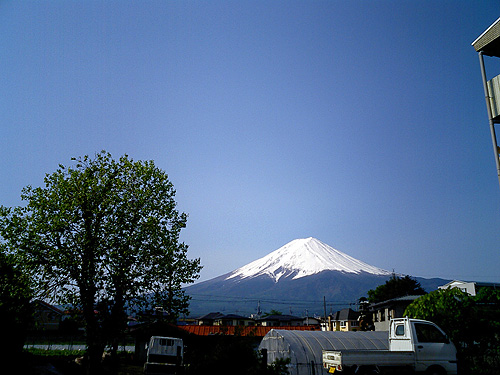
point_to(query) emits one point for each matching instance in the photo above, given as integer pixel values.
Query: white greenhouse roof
(304, 347)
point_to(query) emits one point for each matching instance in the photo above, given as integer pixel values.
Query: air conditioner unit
(494, 96)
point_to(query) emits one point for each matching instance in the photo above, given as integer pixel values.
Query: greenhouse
(305, 348)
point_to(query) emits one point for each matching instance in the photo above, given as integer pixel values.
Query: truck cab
(430, 344)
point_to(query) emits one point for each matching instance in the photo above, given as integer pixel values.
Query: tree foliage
(450, 309)
(103, 231)
(395, 287)
(471, 322)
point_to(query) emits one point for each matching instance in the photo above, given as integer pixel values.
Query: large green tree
(471, 322)
(450, 309)
(395, 287)
(105, 233)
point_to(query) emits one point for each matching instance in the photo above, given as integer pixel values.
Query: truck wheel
(435, 370)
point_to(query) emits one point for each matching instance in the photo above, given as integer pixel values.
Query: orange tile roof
(258, 331)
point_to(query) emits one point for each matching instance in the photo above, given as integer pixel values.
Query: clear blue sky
(360, 123)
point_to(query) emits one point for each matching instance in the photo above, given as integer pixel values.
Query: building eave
(489, 41)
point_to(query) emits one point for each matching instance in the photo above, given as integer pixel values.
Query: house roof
(49, 307)
(346, 314)
(220, 316)
(453, 283)
(280, 318)
(489, 41)
(477, 283)
(258, 331)
(233, 316)
(398, 300)
(211, 316)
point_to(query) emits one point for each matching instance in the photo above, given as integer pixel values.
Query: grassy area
(70, 354)
(55, 338)
(37, 361)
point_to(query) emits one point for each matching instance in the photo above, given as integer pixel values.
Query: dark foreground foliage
(229, 355)
(66, 362)
(203, 355)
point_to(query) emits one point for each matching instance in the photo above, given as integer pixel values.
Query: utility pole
(324, 306)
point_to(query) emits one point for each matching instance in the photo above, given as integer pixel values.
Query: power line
(228, 299)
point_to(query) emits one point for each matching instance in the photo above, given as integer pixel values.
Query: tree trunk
(93, 336)
(95, 345)
(118, 323)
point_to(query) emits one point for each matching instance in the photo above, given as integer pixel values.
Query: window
(400, 330)
(166, 342)
(429, 333)
(354, 323)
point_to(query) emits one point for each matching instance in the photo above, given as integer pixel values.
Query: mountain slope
(297, 277)
(304, 257)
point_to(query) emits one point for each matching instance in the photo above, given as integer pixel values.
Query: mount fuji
(304, 257)
(305, 274)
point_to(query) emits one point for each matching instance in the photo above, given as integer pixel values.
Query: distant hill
(295, 278)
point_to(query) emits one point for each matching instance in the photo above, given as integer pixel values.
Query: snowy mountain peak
(304, 257)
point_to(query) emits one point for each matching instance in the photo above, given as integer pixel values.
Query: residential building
(470, 287)
(312, 321)
(47, 317)
(280, 321)
(229, 320)
(384, 311)
(344, 320)
(209, 319)
(233, 320)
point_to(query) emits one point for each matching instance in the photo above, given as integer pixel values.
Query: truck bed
(346, 358)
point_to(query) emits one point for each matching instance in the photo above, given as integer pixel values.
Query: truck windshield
(429, 333)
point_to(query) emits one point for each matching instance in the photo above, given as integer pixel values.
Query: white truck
(415, 346)
(164, 356)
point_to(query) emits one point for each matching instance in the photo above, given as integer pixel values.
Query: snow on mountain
(304, 257)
